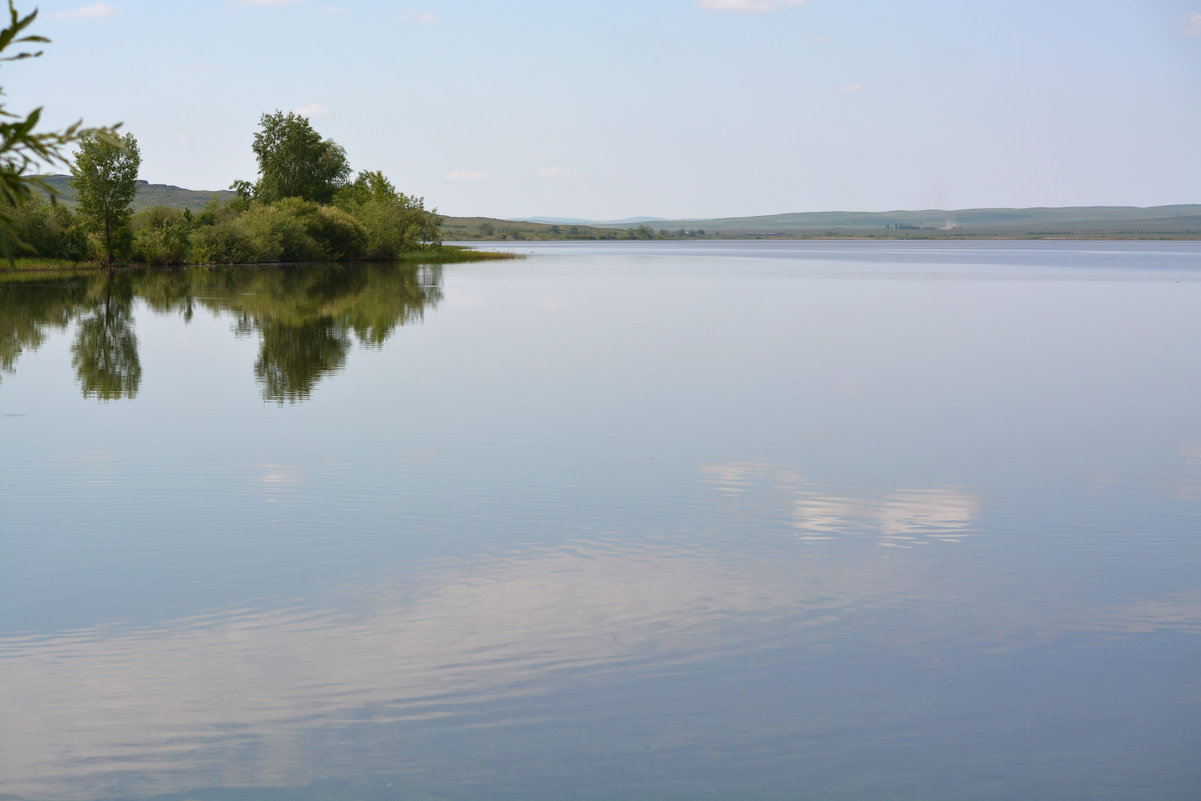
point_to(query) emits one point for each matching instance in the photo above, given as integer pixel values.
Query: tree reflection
(28, 310)
(294, 357)
(105, 351)
(307, 318)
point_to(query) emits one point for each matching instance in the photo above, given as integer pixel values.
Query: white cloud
(747, 5)
(1191, 25)
(466, 175)
(269, 2)
(850, 87)
(312, 110)
(334, 11)
(183, 137)
(94, 11)
(554, 172)
(819, 40)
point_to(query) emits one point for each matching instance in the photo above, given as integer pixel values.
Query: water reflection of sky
(898, 519)
(777, 523)
(163, 700)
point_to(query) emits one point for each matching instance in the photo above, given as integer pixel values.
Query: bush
(370, 221)
(230, 241)
(282, 235)
(340, 236)
(334, 234)
(48, 230)
(160, 236)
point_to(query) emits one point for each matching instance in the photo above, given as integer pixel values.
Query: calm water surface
(720, 520)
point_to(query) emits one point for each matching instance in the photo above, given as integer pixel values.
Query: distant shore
(949, 237)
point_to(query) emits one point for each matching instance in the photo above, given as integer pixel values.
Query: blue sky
(672, 108)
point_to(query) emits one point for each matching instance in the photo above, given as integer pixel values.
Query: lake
(730, 520)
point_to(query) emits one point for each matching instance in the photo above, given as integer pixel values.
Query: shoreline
(33, 267)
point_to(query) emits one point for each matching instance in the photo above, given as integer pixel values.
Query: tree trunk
(108, 240)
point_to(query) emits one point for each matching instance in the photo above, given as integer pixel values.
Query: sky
(608, 109)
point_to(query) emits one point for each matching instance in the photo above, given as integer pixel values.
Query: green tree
(394, 222)
(294, 161)
(105, 181)
(22, 148)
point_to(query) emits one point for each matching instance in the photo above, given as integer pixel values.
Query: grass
(33, 268)
(450, 254)
(36, 269)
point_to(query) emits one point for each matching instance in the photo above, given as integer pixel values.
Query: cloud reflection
(82, 708)
(1189, 487)
(252, 697)
(898, 519)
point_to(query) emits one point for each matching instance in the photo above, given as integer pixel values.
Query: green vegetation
(22, 146)
(491, 229)
(302, 208)
(44, 229)
(105, 174)
(294, 161)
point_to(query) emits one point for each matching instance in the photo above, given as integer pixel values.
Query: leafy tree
(393, 221)
(105, 181)
(294, 161)
(22, 147)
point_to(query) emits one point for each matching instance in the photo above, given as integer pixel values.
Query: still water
(724, 520)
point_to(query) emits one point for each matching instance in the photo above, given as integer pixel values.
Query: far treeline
(1071, 222)
(303, 207)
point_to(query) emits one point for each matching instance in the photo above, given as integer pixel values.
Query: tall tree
(106, 175)
(22, 147)
(294, 161)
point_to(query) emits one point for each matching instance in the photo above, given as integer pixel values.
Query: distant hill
(593, 223)
(1133, 222)
(1069, 221)
(150, 194)
(1082, 222)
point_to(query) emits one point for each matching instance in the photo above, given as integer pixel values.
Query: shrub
(48, 230)
(230, 241)
(340, 236)
(160, 236)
